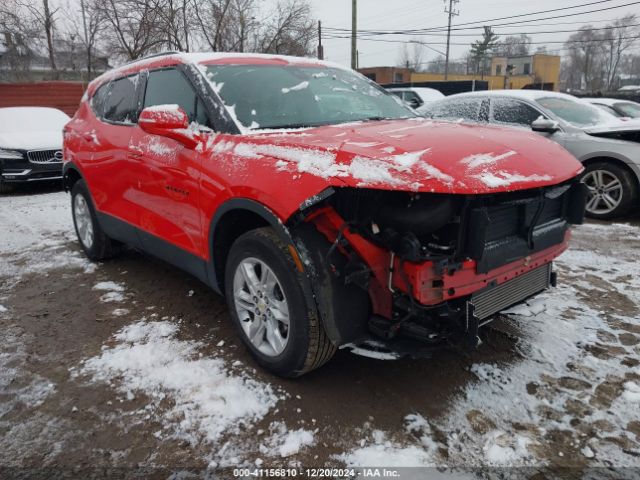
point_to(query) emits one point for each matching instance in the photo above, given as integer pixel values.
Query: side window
(465, 109)
(413, 98)
(170, 87)
(99, 98)
(121, 103)
(513, 112)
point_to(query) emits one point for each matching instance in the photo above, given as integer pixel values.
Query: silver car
(608, 147)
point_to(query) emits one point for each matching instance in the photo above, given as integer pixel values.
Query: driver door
(167, 187)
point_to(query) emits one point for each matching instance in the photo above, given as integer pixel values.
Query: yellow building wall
(545, 67)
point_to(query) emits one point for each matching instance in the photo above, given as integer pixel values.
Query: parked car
(320, 207)
(417, 97)
(30, 145)
(606, 146)
(617, 107)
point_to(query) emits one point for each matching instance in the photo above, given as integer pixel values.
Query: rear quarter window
(98, 99)
(121, 104)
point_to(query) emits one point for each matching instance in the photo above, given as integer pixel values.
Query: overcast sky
(414, 14)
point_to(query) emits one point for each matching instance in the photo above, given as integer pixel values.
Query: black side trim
(251, 206)
(67, 168)
(153, 245)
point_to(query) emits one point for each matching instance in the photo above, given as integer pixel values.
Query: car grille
(494, 299)
(45, 156)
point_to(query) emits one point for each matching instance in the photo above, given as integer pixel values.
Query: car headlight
(11, 154)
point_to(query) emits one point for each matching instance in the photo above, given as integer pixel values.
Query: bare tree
(88, 26)
(412, 58)
(43, 17)
(135, 27)
(15, 33)
(620, 37)
(176, 19)
(290, 30)
(514, 45)
(212, 20)
(586, 55)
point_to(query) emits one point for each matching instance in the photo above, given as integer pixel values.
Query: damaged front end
(430, 266)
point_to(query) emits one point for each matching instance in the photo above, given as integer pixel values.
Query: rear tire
(95, 243)
(612, 190)
(261, 282)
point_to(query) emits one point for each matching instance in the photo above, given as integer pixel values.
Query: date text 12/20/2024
(316, 473)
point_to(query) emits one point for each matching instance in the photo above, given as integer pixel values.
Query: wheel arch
(70, 175)
(232, 219)
(240, 215)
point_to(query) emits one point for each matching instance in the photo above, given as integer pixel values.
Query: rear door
(105, 156)
(167, 193)
(467, 109)
(512, 112)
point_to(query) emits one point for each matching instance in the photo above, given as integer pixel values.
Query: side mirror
(168, 121)
(544, 125)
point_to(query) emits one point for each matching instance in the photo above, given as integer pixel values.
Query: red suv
(320, 206)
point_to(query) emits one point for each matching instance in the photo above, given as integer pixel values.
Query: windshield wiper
(290, 125)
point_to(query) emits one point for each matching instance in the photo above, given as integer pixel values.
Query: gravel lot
(133, 364)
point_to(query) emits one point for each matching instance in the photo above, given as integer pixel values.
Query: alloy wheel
(84, 222)
(261, 306)
(605, 191)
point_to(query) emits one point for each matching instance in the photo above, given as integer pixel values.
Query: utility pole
(453, 12)
(320, 47)
(354, 29)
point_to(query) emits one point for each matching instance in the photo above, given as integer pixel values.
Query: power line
(364, 35)
(490, 21)
(519, 43)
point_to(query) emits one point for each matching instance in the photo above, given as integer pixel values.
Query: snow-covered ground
(568, 393)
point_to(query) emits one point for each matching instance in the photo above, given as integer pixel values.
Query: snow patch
(207, 400)
(296, 88)
(505, 179)
(483, 159)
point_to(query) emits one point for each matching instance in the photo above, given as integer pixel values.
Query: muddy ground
(580, 410)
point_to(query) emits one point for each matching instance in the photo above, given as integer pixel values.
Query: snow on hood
(32, 140)
(31, 128)
(415, 155)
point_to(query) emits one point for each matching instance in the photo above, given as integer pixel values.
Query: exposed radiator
(494, 299)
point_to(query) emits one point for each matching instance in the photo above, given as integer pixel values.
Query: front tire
(277, 323)
(94, 242)
(612, 191)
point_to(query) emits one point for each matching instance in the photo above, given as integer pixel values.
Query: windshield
(273, 96)
(629, 109)
(576, 112)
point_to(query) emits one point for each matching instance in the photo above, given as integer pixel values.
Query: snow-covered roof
(606, 101)
(524, 94)
(205, 57)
